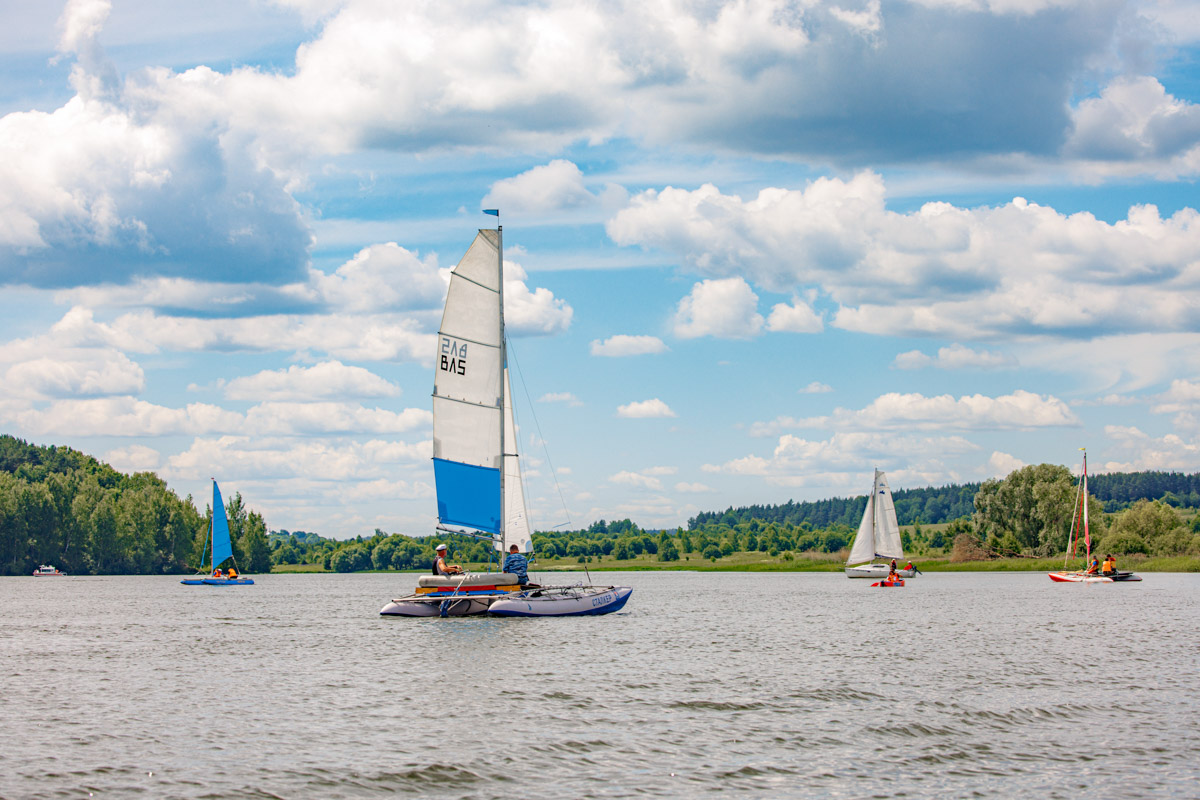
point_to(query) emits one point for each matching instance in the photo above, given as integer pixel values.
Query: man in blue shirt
(517, 564)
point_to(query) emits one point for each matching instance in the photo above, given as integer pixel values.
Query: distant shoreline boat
(878, 536)
(221, 549)
(45, 571)
(1079, 522)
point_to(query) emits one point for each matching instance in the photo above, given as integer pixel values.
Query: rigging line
(536, 424)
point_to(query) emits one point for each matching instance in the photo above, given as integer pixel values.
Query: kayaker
(517, 564)
(440, 567)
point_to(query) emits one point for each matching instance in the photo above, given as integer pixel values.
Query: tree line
(59, 506)
(62, 507)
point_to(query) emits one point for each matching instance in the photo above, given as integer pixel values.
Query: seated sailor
(517, 564)
(440, 567)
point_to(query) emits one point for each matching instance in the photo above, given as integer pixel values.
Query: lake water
(752, 685)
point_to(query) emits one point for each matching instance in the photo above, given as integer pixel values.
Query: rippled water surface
(754, 685)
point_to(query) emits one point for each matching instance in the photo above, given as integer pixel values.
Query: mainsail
(221, 548)
(878, 532)
(475, 465)
(467, 404)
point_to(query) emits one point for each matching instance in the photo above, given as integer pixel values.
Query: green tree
(667, 551)
(254, 544)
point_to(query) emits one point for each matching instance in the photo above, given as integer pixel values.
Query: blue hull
(218, 582)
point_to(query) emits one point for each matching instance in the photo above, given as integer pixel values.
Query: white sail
(878, 532)
(887, 529)
(863, 549)
(467, 391)
(516, 517)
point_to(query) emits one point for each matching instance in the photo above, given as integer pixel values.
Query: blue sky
(754, 249)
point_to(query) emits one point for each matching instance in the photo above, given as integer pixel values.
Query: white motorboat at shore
(46, 571)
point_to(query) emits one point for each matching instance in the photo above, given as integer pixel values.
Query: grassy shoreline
(740, 562)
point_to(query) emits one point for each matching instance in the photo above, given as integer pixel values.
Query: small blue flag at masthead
(495, 212)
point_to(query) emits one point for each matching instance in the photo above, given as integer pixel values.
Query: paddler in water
(440, 567)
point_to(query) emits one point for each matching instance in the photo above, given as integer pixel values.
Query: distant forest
(62, 507)
(1116, 491)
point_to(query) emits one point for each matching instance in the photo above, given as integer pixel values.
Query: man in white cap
(440, 567)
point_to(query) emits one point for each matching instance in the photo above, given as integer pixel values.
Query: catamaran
(476, 467)
(220, 548)
(1079, 524)
(878, 536)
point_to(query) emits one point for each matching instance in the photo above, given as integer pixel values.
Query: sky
(753, 249)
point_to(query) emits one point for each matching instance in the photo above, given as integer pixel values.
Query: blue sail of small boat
(221, 547)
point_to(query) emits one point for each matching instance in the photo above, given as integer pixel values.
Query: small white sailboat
(878, 536)
(221, 550)
(1079, 527)
(476, 467)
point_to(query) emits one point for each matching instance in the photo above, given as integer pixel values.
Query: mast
(874, 515)
(1087, 538)
(503, 370)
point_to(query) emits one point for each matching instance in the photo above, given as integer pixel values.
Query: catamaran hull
(888, 584)
(1082, 577)
(569, 603)
(453, 607)
(218, 582)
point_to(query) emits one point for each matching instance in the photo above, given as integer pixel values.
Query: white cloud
(796, 318)
(636, 479)
(1001, 464)
(1183, 395)
(816, 387)
(725, 309)
(70, 372)
(1135, 451)
(552, 187)
(561, 397)
(645, 409)
(121, 416)
(624, 345)
(991, 272)
(329, 379)
(134, 458)
(331, 462)
(693, 488)
(839, 460)
(284, 418)
(956, 356)
(531, 313)
(1135, 120)
(1020, 410)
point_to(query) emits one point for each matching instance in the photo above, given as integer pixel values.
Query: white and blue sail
(475, 464)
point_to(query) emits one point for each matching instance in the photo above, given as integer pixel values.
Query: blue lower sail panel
(467, 495)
